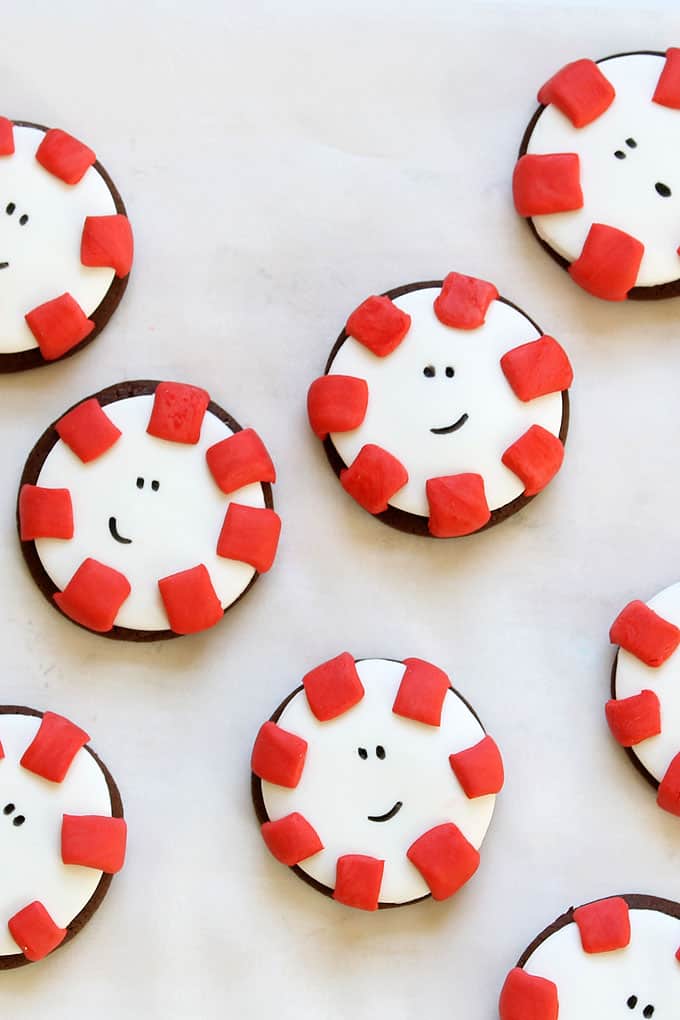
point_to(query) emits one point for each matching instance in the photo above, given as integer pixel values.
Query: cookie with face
(65, 245)
(146, 511)
(444, 408)
(376, 782)
(598, 176)
(644, 710)
(62, 833)
(615, 959)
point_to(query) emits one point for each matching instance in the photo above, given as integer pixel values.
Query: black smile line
(390, 814)
(451, 428)
(113, 528)
(3, 265)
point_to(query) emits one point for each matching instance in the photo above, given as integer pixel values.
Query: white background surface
(278, 166)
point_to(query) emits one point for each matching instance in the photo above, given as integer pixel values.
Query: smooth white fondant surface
(339, 790)
(32, 868)
(44, 253)
(621, 192)
(172, 529)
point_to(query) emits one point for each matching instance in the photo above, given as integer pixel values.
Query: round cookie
(597, 174)
(145, 511)
(66, 246)
(644, 710)
(62, 833)
(375, 782)
(609, 959)
(444, 408)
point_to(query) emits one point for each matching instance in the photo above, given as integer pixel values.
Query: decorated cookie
(444, 408)
(65, 247)
(610, 959)
(644, 710)
(375, 782)
(62, 833)
(146, 511)
(597, 175)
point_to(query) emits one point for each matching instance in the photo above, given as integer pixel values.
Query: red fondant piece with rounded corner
(535, 458)
(278, 756)
(457, 504)
(379, 325)
(107, 241)
(604, 925)
(94, 595)
(645, 634)
(444, 858)
(373, 477)
(291, 839)
(537, 368)
(667, 92)
(634, 719)
(580, 91)
(464, 301)
(178, 412)
(548, 183)
(6, 137)
(35, 932)
(336, 403)
(333, 687)
(528, 997)
(45, 513)
(64, 156)
(190, 600)
(58, 326)
(88, 430)
(421, 692)
(357, 881)
(250, 534)
(240, 460)
(479, 769)
(609, 263)
(54, 747)
(668, 796)
(94, 841)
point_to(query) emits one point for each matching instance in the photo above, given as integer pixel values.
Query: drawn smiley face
(377, 781)
(598, 176)
(65, 245)
(443, 407)
(154, 500)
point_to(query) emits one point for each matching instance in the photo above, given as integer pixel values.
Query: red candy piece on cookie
(64, 156)
(667, 91)
(94, 595)
(634, 719)
(34, 931)
(668, 796)
(45, 513)
(336, 403)
(537, 368)
(88, 430)
(278, 756)
(250, 534)
(358, 880)
(645, 634)
(54, 747)
(421, 692)
(373, 477)
(94, 841)
(609, 263)
(580, 90)
(535, 458)
(464, 301)
(550, 183)
(333, 687)
(240, 460)
(457, 504)
(527, 997)
(379, 325)
(190, 600)
(58, 326)
(6, 137)
(479, 769)
(178, 412)
(604, 925)
(107, 241)
(291, 839)
(445, 859)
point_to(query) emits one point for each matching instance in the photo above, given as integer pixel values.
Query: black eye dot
(450, 372)
(8, 809)
(620, 154)
(363, 753)
(23, 219)
(632, 1002)
(380, 751)
(429, 371)
(648, 1011)
(155, 485)
(140, 483)
(662, 189)
(19, 820)
(10, 208)
(631, 143)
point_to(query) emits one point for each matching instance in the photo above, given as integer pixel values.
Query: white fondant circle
(173, 528)
(404, 404)
(339, 790)
(44, 253)
(32, 868)
(621, 192)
